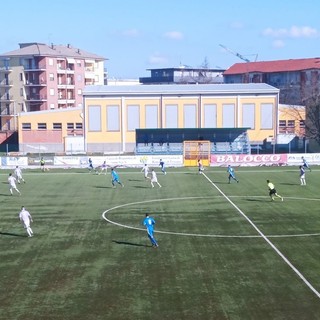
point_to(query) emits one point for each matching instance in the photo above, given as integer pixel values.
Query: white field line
(285, 259)
(138, 172)
(104, 216)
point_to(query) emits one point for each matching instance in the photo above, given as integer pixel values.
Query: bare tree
(296, 113)
(312, 122)
(205, 63)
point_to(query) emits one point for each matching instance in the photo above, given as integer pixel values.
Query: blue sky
(135, 35)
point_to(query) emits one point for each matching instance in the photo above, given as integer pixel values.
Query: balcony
(35, 67)
(7, 111)
(6, 97)
(36, 83)
(36, 97)
(6, 69)
(64, 84)
(65, 70)
(6, 83)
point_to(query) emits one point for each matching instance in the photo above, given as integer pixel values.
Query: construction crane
(235, 53)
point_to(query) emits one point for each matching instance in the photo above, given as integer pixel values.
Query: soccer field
(225, 250)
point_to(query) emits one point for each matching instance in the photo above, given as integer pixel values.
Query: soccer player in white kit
(26, 219)
(104, 168)
(154, 179)
(18, 174)
(12, 184)
(145, 170)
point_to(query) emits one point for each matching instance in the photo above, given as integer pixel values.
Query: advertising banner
(14, 161)
(248, 159)
(120, 161)
(49, 160)
(66, 161)
(296, 158)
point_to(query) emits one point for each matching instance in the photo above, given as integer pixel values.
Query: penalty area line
(284, 258)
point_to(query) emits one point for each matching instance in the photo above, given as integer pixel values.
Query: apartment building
(39, 77)
(297, 79)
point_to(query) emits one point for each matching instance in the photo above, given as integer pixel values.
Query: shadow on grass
(258, 200)
(12, 234)
(222, 182)
(141, 187)
(131, 243)
(289, 184)
(103, 187)
(134, 180)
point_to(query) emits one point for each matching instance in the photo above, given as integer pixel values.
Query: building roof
(183, 68)
(41, 49)
(176, 89)
(274, 66)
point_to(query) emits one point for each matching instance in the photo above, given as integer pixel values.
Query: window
(51, 76)
(79, 125)
(79, 63)
(266, 116)
(282, 123)
(228, 116)
(113, 118)
(50, 62)
(21, 92)
(42, 126)
(79, 92)
(57, 126)
(291, 123)
(189, 116)
(26, 126)
(94, 118)
(79, 77)
(210, 116)
(21, 76)
(70, 126)
(51, 92)
(171, 116)
(302, 124)
(248, 115)
(51, 105)
(133, 118)
(151, 116)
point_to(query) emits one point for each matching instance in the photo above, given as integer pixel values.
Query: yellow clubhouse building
(111, 114)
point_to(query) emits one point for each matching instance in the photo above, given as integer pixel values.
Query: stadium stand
(170, 141)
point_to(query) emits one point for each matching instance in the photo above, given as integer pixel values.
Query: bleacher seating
(170, 141)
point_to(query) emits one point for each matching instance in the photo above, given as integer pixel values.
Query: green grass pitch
(225, 250)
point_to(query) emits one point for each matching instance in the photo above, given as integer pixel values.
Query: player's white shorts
(26, 223)
(12, 185)
(154, 180)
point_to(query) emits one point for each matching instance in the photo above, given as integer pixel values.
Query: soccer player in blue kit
(305, 163)
(231, 174)
(162, 165)
(115, 178)
(149, 223)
